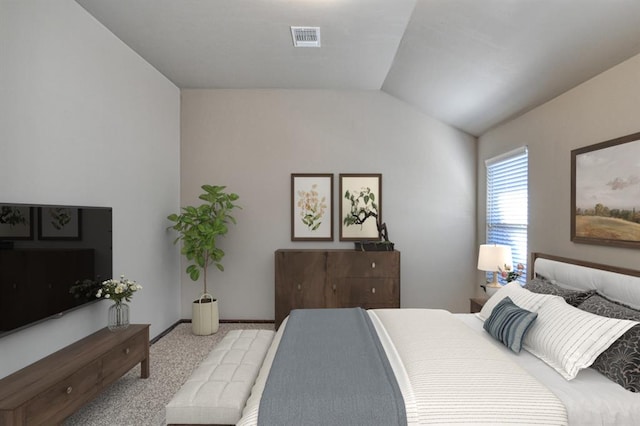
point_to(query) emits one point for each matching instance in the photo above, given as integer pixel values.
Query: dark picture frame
(312, 207)
(360, 206)
(59, 223)
(16, 222)
(605, 193)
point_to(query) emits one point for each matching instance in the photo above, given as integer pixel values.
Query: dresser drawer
(62, 399)
(368, 292)
(364, 264)
(124, 357)
(335, 279)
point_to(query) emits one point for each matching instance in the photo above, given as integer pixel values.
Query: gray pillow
(621, 361)
(509, 323)
(543, 286)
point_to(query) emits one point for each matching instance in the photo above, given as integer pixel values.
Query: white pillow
(569, 339)
(520, 296)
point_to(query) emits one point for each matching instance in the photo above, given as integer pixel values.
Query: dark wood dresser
(335, 279)
(49, 390)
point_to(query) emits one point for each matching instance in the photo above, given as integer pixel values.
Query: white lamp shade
(492, 256)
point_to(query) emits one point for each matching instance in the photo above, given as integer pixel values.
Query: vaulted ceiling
(469, 63)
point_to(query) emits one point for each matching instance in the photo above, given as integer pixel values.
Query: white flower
(118, 290)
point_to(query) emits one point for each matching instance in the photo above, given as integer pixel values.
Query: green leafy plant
(363, 206)
(199, 228)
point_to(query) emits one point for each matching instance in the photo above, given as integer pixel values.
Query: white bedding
(590, 398)
(447, 373)
(431, 358)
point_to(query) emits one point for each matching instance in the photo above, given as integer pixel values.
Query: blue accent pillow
(509, 323)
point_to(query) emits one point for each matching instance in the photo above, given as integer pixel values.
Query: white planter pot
(204, 316)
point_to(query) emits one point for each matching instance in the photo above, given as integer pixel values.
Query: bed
(450, 370)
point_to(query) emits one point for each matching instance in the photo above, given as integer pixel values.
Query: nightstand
(476, 304)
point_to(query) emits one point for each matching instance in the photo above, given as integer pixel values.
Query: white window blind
(508, 203)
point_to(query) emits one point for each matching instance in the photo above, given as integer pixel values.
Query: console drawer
(124, 357)
(65, 397)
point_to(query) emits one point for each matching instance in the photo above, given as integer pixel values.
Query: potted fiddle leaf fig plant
(199, 229)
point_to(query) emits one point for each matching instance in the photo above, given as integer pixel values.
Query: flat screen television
(52, 260)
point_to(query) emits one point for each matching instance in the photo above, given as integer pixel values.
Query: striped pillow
(569, 339)
(520, 296)
(508, 323)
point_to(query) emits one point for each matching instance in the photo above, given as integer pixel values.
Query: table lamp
(491, 258)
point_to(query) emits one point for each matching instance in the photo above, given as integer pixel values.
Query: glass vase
(118, 316)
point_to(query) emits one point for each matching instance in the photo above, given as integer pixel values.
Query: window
(507, 203)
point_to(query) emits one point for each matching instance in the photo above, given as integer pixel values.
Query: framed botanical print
(360, 206)
(59, 223)
(311, 207)
(16, 222)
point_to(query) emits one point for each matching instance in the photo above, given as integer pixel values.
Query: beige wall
(85, 121)
(252, 140)
(603, 108)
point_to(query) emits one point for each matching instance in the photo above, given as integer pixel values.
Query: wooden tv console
(49, 390)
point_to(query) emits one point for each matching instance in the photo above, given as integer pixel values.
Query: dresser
(49, 390)
(335, 279)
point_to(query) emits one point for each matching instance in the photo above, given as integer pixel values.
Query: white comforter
(591, 399)
(447, 373)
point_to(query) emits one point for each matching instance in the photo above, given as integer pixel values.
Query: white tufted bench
(218, 389)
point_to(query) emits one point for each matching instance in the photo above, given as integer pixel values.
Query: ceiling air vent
(306, 36)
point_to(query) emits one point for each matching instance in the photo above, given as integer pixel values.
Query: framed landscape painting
(311, 207)
(360, 206)
(605, 193)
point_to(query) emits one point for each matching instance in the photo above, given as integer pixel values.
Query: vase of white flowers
(120, 291)
(118, 316)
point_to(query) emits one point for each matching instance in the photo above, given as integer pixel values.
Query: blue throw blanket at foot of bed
(331, 369)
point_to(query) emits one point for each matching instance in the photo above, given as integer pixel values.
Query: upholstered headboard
(618, 284)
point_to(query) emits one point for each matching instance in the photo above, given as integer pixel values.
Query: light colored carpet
(132, 401)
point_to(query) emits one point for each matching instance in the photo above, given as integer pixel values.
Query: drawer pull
(373, 290)
(126, 351)
(373, 265)
(299, 286)
(69, 390)
(334, 288)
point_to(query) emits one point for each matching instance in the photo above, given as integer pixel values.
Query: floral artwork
(360, 207)
(59, 217)
(311, 207)
(59, 223)
(16, 222)
(363, 207)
